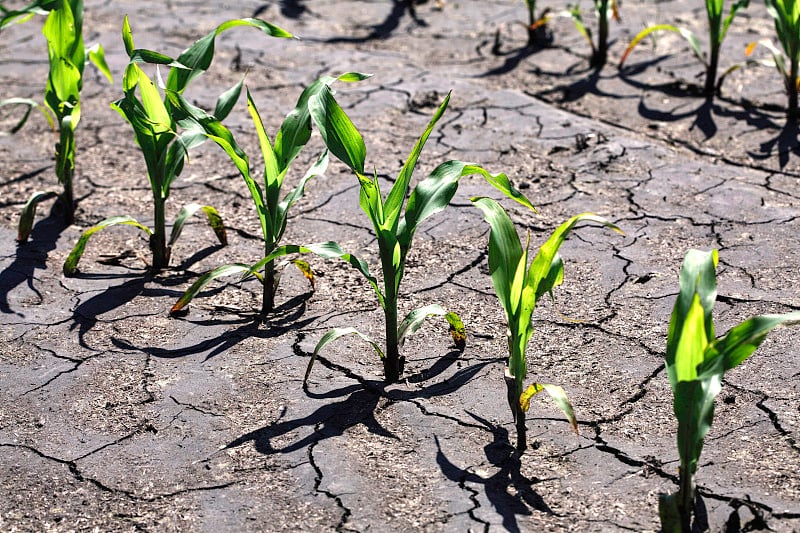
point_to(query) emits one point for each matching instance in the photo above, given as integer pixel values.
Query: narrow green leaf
(71, 264)
(30, 105)
(29, 213)
(205, 279)
(331, 336)
(127, 37)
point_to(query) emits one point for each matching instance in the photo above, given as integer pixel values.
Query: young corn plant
(63, 30)
(786, 15)
(604, 9)
(696, 362)
(271, 209)
(717, 29)
(393, 225)
(519, 287)
(155, 129)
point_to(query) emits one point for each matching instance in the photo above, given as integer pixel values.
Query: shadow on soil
(500, 453)
(287, 317)
(30, 256)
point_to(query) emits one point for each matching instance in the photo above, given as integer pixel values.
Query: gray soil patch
(114, 416)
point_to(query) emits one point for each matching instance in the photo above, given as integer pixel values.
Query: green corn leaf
(698, 286)
(197, 58)
(97, 56)
(29, 213)
(214, 220)
(414, 320)
(396, 197)
(227, 100)
(205, 279)
(331, 336)
(505, 250)
(37, 7)
(558, 396)
(296, 127)
(735, 8)
(71, 264)
(340, 135)
(273, 175)
(127, 37)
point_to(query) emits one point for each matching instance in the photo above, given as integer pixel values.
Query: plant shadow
(30, 257)
(286, 317)
(522, 500)
(387, 27)
(358, 407)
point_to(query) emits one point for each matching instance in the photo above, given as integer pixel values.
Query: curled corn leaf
(71, 264)
(29, 213)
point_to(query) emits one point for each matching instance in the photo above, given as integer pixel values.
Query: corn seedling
(519, 287)
(156, 132)
(63, 30)
(604, 9)
(696, 362)
(395, 227)
(717, 29)
(272, 211)
(786, 15)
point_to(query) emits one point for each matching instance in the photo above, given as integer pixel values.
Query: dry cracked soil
(114, 416)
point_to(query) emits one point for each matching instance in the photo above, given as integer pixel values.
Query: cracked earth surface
(115, 417)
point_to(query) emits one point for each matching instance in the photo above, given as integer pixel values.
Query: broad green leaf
(205, 279)
(272, 174)
(697, 279)
(738, 5)
(692, 342)
(394, 201)
(71, 264)
(331, 336)
(29, 213)
(227, 101)
(505, 250)
(214, 220)
(296, 127)
(340, 135)
(558, 396)
(127, 37)
(414, 320)
(318, 168)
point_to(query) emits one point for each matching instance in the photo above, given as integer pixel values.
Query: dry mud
(115, 417)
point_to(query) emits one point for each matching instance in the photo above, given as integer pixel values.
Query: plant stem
(711, 72)
(391, 363)
(601, 53)
(686, 499)
(519, 416)
(531, 20)
(65, 171)
(791, 87)
(268, 299)
(158, 240)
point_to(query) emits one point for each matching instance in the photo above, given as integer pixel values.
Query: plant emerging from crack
(63, 30)
(696, 362)
(155, 129)
(393, 225)
(272, 212)
(717, 30)
(519, 287)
